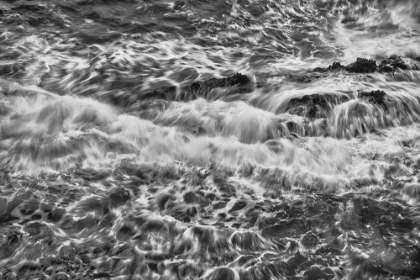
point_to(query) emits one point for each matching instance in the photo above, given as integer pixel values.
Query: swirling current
(217, 140)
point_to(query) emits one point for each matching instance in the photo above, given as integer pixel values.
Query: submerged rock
(166, 93)
(148, 103)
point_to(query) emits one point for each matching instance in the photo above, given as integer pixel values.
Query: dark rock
(375, 97)
(202, 89)
(336, 66)
(317, 69)
(315, 105)
(383, 67)
(397, 62)
(362, 65)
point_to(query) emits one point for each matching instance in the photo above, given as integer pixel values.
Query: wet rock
(375, 97)
(384, 68)
(336, 66)
(315, 105)
(203, 89)
(395, 62)
(362, 65)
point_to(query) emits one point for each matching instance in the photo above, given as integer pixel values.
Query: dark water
(130, 148)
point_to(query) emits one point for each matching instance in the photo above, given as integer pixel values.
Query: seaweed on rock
(362, 65)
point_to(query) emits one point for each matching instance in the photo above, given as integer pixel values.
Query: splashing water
(131, 148)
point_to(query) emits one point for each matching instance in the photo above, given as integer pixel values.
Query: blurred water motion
(225, 139)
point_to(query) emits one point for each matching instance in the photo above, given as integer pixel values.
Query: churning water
(210, 139)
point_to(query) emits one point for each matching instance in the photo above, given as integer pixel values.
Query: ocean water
(219, 140)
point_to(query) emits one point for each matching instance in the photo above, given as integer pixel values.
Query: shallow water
(120, 158)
